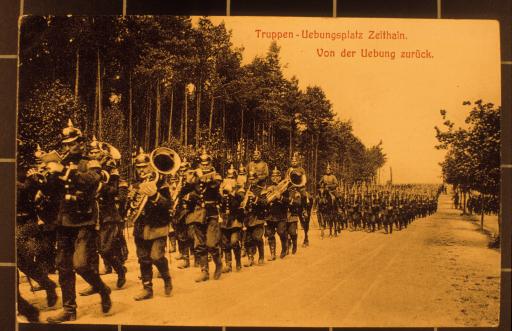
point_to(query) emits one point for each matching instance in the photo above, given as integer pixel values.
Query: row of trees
(472, 162)
(151, 81)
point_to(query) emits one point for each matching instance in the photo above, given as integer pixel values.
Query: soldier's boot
(185, 260)
(87, 292)
(106, 303)
(272, 245)
(184, 263)
(29, 311)
(294, 245)
(218, 266)
(167, 283)
(238, 259)
(205, 274)
(121, 277)
(108, 269)
(250, 258)
(197, 261)
(181, 249)
(227, 268)
(284, 248)
(172, 240)
(306, 241)
(51, 297)
(146, 293)
(63, 316)
(261, 253)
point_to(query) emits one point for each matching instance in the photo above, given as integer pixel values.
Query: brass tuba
(164, 161)
(293, 178)
(296, 178)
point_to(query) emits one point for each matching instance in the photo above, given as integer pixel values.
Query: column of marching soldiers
(73, 207)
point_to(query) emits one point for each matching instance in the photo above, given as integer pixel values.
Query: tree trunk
(185, 120)
(100, 103)
(77, 74)
(148, 127)
(224, 120)
(130, 128)
(464, 202)
(242, 123)
(210, 121)
(291, 139)
(157, 115)
(482, 205)
(316, 165)
(198, 112)
(169, 133)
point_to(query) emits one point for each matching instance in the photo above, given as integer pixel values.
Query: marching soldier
(28, 234)
(329, 182)
(173, 237)
(203, 218)
(232, 219)
(76, 230)
(257, 213)
(300, 191)
(241, 183)
(259, 167)
(47, 206)
(151, 219)
(110, 221)
(278, 215)
(180, 212)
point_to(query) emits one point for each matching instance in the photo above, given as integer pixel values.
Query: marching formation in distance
(76, 205)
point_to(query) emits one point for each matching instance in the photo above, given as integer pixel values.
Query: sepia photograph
(258, 171)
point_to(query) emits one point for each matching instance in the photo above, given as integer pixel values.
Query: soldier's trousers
(185, 242)
(111, 245)
(279, 227)
(206, 239)
(47, 255)
(254, 239)
(151, 252)
(34, 270)
(77, 251)
(231, 240)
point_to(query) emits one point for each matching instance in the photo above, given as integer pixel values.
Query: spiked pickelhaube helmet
(94, 145)
(70, 133)
(205, 158)
(142, 159)
(242, 170)
(231, 173)
(276, 172)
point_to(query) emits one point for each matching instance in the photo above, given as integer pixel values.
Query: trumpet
(248, 192)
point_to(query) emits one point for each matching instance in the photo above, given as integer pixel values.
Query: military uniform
(257, 214)
(232, 218)
(203, 217)
(28, 239)
(277, 223)
(151, 227)
(77, 237)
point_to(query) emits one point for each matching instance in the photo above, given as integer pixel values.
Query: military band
(77, 203)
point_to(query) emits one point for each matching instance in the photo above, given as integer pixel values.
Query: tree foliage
(182, 84)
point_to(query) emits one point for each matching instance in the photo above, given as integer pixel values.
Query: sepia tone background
(424, 9)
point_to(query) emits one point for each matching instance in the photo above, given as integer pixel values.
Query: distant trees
(472, 162)
(143, 81)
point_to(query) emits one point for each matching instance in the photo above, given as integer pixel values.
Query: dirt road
(438, 272)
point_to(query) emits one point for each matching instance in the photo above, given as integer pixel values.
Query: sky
(394, 100)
